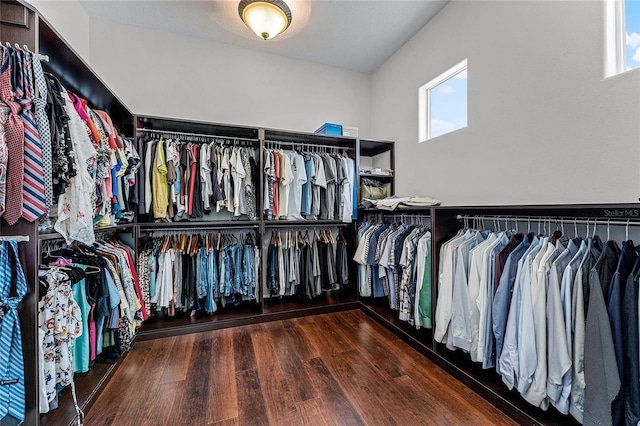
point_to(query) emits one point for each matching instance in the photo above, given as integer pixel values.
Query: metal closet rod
(200, 135)
(565, 219)
(302, 144)
(406, 216)
(230, 229)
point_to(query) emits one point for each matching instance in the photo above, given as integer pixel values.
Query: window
(443, 103)
(623, 36)
(631, 14)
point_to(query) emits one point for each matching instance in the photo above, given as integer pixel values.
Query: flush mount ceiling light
(266, 18)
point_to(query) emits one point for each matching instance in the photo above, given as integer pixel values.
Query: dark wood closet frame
(268, 308)
(371, 148)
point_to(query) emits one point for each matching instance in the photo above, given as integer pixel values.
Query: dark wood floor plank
(323, 339)
(279, 399)
(331, 394)
(311, 414)
(441, 408)
(226, 422)
(117, 394)
(158, 410)
(299, 341)
(244, 357)
(286, 351)
(223, 395)
(251, 406)
(192, 407)
(370, 391)
(176, 370)
(374, 349)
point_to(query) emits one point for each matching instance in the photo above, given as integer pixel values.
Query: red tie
(14, 136)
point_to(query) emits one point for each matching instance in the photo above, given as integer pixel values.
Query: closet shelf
(53, 235)
(372, 147)
(399, 210)
(376, 176)
(227, 224)
(298, 223)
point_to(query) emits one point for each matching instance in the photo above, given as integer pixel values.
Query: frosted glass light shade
(265, 18)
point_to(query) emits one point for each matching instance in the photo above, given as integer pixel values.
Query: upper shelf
(309, 138)
(372, 147)
(78, 77)
(199, 127)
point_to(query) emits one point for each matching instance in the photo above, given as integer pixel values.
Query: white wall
(544, 126)
(70, 20)
(169, 75)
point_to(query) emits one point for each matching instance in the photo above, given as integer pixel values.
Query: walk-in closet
(305, 213)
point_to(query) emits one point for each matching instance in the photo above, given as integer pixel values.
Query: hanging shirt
(299, 178)
(559, 352)
(286, 178)
(159, 179)
(305, 208)
(347, 190)
(509, 358)
(566, 291)
(319, 183)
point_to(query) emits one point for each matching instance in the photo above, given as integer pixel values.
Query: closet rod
(565, 219)
(306, 227)
(406, 216)
(294, 144)
(162, 233)
(201, 135)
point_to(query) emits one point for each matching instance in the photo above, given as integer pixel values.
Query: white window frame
(616, 38)
(424, 100)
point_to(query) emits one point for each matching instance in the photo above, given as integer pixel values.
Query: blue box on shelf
(330, 129)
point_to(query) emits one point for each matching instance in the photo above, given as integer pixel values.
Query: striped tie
(33, 204)
(40, 102)
(11, 360)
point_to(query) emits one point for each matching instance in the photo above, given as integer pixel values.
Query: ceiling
(358, 35)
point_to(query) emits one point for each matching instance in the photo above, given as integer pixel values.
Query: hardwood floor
(334, 369)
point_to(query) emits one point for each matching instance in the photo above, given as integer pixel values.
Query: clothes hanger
(588, 227)
(627, 230)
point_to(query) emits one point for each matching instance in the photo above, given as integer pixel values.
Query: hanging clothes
(12, 390)
(306, 263)
(194, 272)
(394, 262)
(302, 185)
(188, 180)
(90, 307)
(563, 315)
